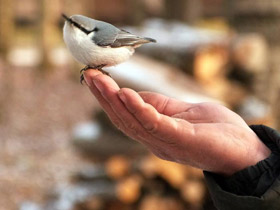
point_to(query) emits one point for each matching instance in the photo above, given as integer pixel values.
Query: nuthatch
(98, 44)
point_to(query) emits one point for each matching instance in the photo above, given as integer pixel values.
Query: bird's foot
(105, 72)
(99, 67)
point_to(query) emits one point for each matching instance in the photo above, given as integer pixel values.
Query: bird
(98, 44)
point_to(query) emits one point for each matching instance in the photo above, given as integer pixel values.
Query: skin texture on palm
(205, 135)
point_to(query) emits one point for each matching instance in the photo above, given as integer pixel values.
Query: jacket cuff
(254, 181)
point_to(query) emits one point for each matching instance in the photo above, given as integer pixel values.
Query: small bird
(98, 44)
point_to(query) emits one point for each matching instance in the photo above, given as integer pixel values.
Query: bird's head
(84, 24)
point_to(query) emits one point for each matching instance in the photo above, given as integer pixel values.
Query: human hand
(206, 135)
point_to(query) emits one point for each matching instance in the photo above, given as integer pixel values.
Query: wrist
(257, 151)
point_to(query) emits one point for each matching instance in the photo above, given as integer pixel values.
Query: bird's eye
(95, 29)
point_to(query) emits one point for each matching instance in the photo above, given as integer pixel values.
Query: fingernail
(98, 84)
(122, 96)
(88, 82)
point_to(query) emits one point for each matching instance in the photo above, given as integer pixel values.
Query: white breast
(86, 52)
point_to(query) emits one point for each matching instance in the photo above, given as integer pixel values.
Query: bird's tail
(142, 40)
(150, 39)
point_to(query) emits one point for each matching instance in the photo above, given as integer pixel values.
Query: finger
(165, 105)
(106, 95)
(107, 86)
(90, 74)
(109, 89)
(160, 126)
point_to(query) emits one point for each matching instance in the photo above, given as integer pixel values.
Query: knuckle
(131, 126)
(133, 130)
(152, 127)
(165, 105)
(193, 110)
(134, 111)
(140, 111)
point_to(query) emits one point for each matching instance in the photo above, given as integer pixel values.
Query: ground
(37, 114)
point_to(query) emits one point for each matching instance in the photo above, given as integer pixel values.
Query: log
(163, 203)
(242, 68)
(173, 173)
(210, 64)
(193, 192)
(250, 53)
(94, 203)
(194, 173)
(148, 167)
(117, 166)
(128, 189)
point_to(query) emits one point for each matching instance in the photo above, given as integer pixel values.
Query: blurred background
(59, 151)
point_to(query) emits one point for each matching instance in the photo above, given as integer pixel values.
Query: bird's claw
(82, 78)
(99, 67)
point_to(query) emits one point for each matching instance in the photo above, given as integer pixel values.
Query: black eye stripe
(82, 28)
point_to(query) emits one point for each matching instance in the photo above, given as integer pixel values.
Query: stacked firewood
(147, 183)
(132, 178)
(238, 75)
(262, 17)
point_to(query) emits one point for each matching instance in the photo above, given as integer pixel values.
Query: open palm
(206, 135)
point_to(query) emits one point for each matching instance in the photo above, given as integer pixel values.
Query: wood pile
(262, 17)
(238, 74)
(134, 180)
(147, 183)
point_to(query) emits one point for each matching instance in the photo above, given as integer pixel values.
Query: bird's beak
(66, 18)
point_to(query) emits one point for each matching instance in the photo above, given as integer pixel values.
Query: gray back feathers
(109, 35)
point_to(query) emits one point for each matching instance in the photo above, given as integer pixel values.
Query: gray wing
(108, 35)
(125, 38)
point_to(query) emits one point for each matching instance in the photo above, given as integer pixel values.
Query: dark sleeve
(256, 187)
